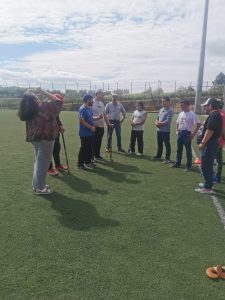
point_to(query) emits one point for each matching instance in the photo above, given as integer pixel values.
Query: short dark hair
(141, 104)
(185, 101)
(28, 107)
(214, 103)
(166, 98)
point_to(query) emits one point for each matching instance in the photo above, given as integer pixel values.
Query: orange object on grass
(212, 273)
(220, 271)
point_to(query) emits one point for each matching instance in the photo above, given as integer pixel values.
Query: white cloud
(118, 40)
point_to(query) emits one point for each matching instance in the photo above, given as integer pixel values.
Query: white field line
(215, 200)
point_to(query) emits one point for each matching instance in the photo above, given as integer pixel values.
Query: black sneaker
(156, 157)
(81, 168)
(176, 165)
(90, 165)
(121, 150)
(99, 157)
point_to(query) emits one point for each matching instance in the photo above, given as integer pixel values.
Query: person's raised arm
(46, 94)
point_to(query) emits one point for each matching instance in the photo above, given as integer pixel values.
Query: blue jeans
(208, 155)
(163, 136)
(110, 132)
(43, 154)
(184, 139)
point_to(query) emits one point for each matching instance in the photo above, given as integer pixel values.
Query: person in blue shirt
(86, 133)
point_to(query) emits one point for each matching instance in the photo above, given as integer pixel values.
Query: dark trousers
(110, 130)
(85, 153)
(99, 132)
(56, 153)
(219, 160)
(208, 155)
(163, 137)
(184, 139)
(136, 135)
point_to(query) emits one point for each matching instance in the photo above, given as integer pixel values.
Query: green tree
(220, 79)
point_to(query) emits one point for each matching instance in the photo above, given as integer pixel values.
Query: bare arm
(106, 118)
(46, 94)
(205, 139)
(85, 124)
(177, 126)
(198, 125)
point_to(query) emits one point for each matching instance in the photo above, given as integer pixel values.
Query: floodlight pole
(202, 60)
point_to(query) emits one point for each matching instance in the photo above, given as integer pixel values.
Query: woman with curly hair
(41, 130)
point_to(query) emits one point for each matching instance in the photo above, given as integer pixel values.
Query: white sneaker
(202, 185)
(139, 154)
(204, 191)
(45, 191)
(131, 153)
(47, 187)
(166, 161)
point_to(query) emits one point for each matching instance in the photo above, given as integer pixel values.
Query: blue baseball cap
(87, 97)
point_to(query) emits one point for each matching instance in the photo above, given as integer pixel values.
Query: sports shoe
(53, 172)
(176, 165)
(82, 168)
(187, 169)
(47, 187)
(204, 191)
(202, 185)
(90, 165)
(156, 157)
(45, 191)
(131, 153)
(61, 168)
(98, 158)
(139, 154)
(108, 150)
(121, 150)
(166, 161)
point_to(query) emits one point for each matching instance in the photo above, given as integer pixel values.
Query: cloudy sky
(110, 41)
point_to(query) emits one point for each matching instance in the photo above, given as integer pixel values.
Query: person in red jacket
(219, 154)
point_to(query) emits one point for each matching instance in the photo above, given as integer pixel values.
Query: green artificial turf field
(130, 229)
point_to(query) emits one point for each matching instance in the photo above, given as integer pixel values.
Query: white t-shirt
(98, 108)
(186, 120)
(138, 116)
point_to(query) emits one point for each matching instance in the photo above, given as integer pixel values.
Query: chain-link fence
(12, 91)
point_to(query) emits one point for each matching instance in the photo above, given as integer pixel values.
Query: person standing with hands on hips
(113, 111)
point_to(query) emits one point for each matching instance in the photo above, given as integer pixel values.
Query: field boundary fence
(11, 91)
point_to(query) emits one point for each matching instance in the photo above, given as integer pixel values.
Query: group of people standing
(43, 127)
(187, 126)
